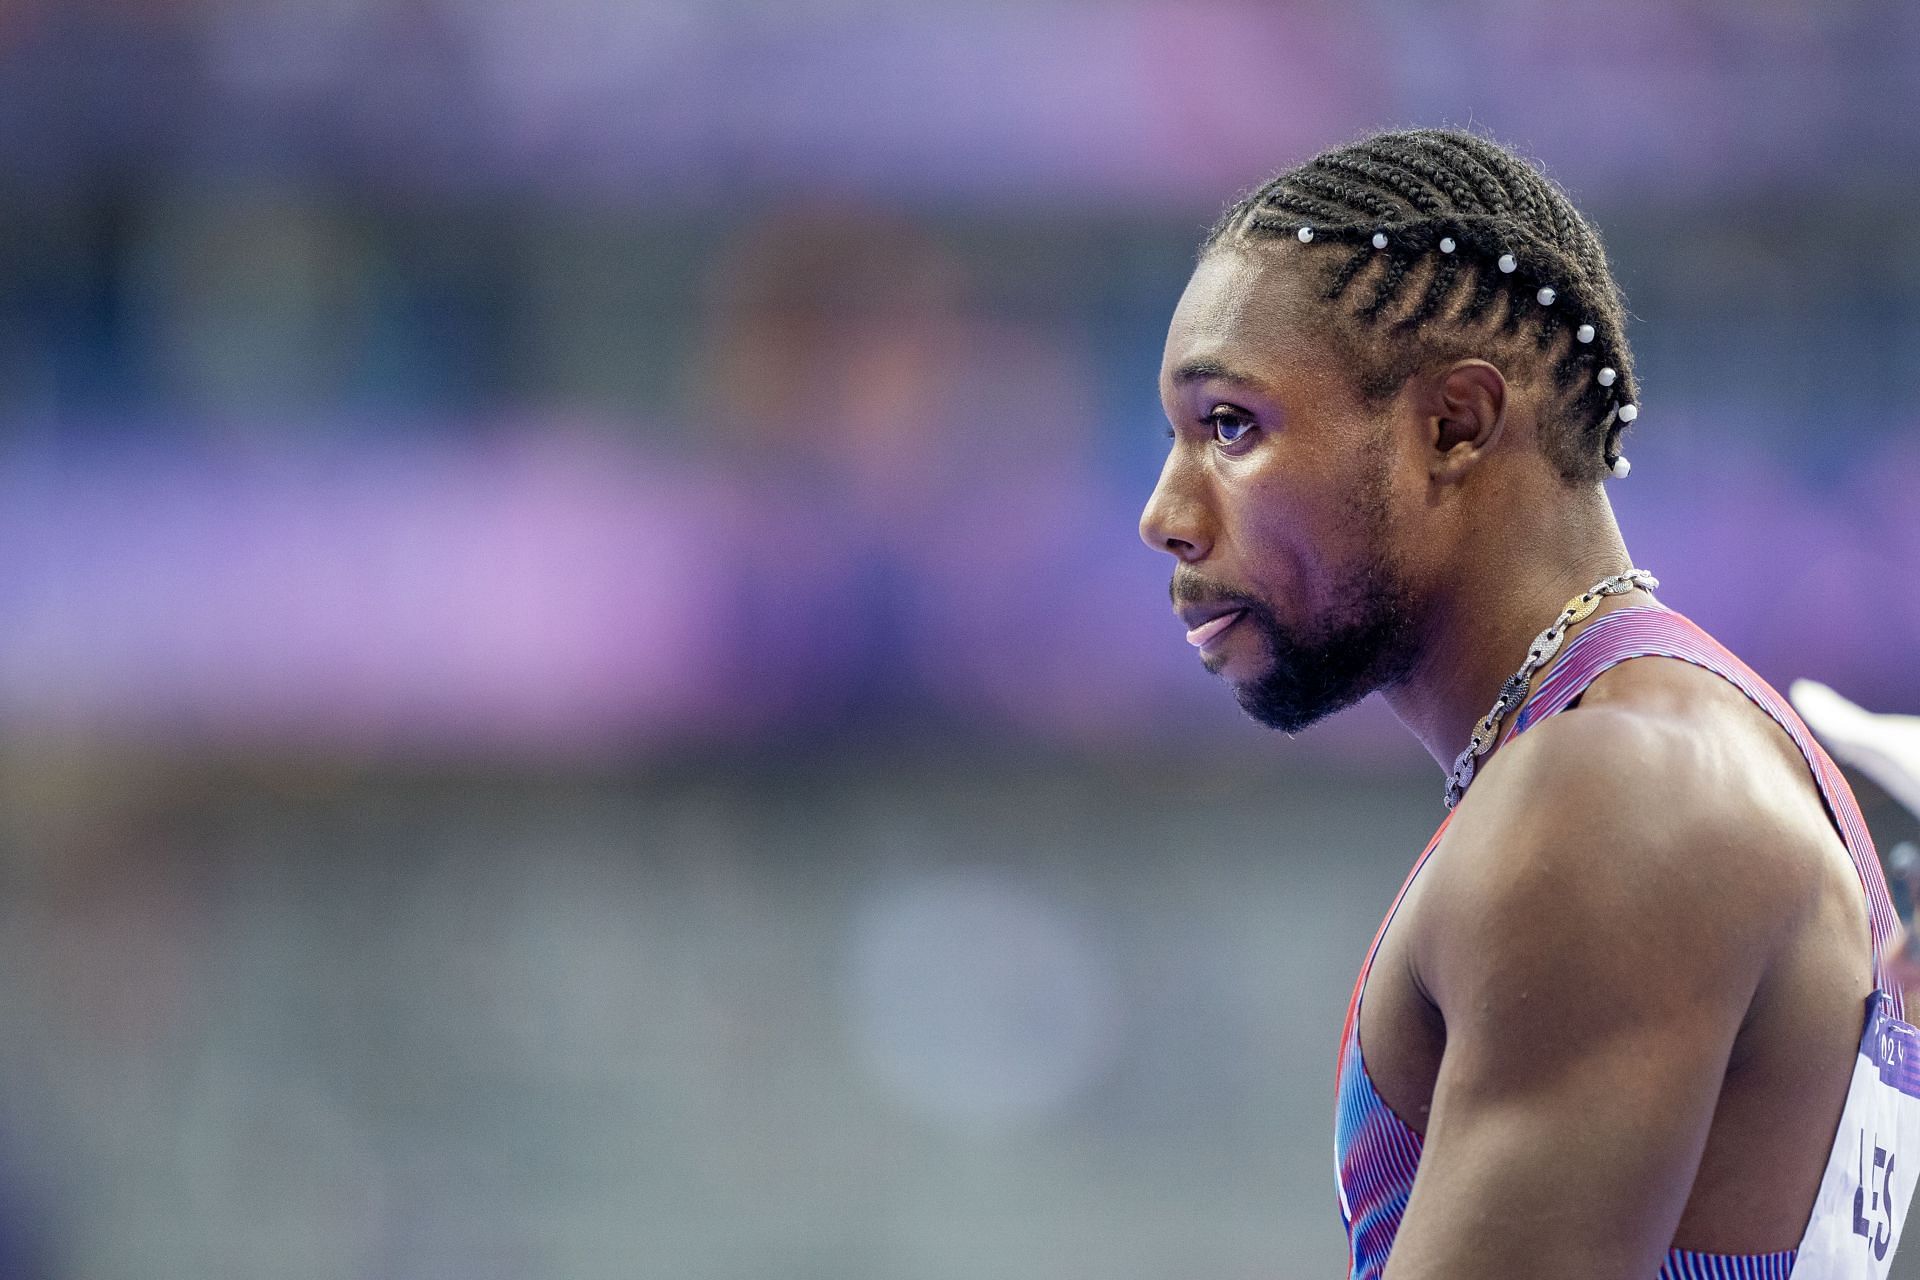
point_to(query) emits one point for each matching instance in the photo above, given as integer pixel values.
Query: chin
(1292, 675)
(1288, 712)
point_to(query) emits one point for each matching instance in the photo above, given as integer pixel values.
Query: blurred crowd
(825, 469)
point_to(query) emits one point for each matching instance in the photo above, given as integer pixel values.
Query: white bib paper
(1875, 1162)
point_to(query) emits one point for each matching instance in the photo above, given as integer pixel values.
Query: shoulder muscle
(1604, 846)
(1592, 952)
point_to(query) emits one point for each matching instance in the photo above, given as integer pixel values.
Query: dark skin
(1623, 1001)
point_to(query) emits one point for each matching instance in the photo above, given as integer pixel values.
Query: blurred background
(579, 696)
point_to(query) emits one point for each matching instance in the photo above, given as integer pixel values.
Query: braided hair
(1440, 241)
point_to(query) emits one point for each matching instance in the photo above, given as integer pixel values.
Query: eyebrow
(1199, 370)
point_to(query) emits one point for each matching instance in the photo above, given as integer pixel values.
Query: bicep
(1549, 1143)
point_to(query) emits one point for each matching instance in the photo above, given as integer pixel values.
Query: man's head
(1382, 356)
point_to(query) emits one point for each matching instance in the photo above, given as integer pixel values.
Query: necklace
(1514, 691)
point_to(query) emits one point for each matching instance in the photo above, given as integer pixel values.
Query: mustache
(1192, 587)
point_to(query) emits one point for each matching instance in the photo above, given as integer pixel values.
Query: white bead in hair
(1605, 377)
(1508, 262)
(1546, 296)
(1379, 239)
(1305, 234)
(1629, 411)
(1446, 244)
(1621, 467)
(1584, 333)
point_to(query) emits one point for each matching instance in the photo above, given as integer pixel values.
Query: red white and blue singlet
(1870, 1175)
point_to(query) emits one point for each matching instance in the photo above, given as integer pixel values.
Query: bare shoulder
(1648, 971)
(1656, 822)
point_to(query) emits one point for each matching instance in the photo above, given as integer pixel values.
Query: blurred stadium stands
(578, 692)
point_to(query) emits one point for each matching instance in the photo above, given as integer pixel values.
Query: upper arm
(1593, 963)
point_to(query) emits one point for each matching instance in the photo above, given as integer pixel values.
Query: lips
(1205, 631)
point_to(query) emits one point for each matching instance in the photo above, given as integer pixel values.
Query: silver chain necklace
(1514, 691)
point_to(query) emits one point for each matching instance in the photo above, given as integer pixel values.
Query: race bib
(1875, 1162)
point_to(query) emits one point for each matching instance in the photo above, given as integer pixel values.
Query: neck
(1478, 632)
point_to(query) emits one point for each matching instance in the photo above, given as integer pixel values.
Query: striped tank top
(1862, 1202)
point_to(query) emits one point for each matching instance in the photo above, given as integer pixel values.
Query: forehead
(1246, 309)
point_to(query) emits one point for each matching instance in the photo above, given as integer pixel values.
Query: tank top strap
(1633, 632)
(1642, 631)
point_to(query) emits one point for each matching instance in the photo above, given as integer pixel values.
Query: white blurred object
(1887, 749)
(1884, 747)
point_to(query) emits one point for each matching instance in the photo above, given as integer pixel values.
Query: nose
(1174, 521)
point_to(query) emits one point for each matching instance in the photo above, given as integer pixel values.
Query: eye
(1230, 426)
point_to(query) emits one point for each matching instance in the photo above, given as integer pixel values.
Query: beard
(1368, 640)
(1367, 645)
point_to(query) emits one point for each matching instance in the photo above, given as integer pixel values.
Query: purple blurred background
(578, 691)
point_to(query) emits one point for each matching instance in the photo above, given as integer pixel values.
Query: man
(1627, 1018)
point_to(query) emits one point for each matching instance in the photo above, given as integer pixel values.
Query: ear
(1463, 409)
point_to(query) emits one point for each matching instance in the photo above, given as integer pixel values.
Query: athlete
(1628, 1016)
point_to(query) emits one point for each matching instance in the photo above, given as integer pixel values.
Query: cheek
(1295, 544)
(1413, 532)
(1307, 543)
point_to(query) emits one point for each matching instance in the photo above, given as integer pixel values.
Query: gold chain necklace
(1514, 691)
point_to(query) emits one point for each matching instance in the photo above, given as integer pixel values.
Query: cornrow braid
(1414, 194)
(1401, 149)
(1471, 227)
